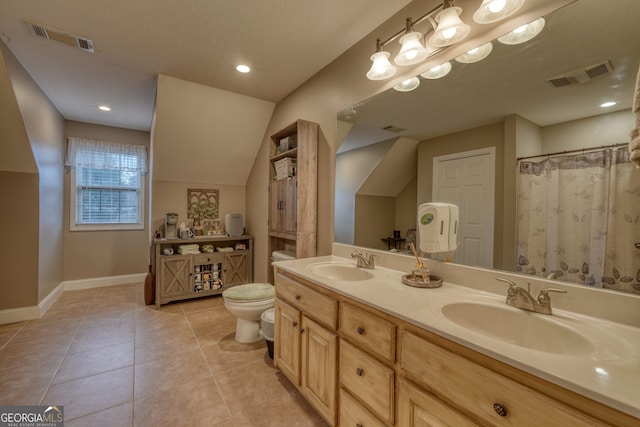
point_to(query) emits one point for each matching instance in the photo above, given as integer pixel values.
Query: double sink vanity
(366, 350)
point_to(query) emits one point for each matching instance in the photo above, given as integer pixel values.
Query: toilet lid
(250, 292)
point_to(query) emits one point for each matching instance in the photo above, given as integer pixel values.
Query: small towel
(634, 143)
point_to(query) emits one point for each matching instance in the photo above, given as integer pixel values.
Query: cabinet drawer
(375, 334)
(369, 380)
(316, 305)
(416, 407)
(477, 389)
(353, 414)
(204, 259)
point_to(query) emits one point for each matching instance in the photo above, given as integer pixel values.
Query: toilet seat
(249, 292)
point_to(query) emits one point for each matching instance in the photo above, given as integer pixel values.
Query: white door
(468, 180)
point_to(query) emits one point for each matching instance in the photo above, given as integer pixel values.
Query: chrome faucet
(520, 298)
(366, 261)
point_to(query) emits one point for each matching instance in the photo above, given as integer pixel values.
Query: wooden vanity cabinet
(393, 373)
(306, 343)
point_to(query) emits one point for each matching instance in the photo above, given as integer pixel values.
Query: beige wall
(406, 208)
(375, 219)
(44, 144)
(19, 248)
(89, 254)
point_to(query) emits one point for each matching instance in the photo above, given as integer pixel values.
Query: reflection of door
(467, 180)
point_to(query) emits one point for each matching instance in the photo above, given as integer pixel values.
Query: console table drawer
(368, 330)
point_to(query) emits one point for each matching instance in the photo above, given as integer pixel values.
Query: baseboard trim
(13, 315)
(20, 314)
(100, 282)
(48, 301)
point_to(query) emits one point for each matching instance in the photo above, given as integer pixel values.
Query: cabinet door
(319, 360)
(287, 341)
(417, 408)
(236, 268)
(175, 276)
(282, 205)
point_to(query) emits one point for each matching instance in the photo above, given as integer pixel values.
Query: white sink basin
(343, 272)
(518, 327)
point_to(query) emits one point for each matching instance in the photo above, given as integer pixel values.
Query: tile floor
(112, 361)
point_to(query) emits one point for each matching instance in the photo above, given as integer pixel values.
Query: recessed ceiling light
(104, 108)
(243, 68)
(608, 104)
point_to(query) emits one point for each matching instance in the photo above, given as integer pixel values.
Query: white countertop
(609, 372)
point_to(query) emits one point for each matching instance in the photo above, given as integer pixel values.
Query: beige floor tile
(252, 384)
(92, 362)
(33, 354)
(92, 394)
(102, 333)
(196, 403)
(169, 342)
(229, 353)
(121, 416)
(26, 384)
(209, 317)
(168, 372)
(45, 331)
(207, 336)
(199, 304)
(287, 411)
(95, 349)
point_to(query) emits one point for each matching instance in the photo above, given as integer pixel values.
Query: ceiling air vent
(393, 129)
(60, 36)
(581, 75)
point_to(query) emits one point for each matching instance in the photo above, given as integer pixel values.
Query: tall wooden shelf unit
(293, 200)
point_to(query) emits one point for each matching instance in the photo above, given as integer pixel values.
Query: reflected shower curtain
(579, 219)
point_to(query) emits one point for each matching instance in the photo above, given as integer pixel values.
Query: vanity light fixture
(476, 54)
(408, 85)
(438, 71)
(412, 50)
(524, 33)
(381, 68)
(494, 10)
(450, 29)
(243, 68)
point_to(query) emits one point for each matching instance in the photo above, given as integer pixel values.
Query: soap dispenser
(438, 227)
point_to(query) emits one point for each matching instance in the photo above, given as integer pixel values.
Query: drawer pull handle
(360, 330)
(298, 297)
(359, 372)
(500, 409)
(359, 425)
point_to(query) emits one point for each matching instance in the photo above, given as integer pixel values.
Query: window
(107, 185)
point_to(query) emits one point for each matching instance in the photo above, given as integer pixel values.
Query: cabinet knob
(298, 297)
(295, 324)
(360, 330)
(302, 331)
(500, 409)
(359, 372)
(359, 425)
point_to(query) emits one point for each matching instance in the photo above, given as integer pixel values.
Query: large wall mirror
(520, 115)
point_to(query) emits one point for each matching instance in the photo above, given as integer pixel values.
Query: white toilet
(247, 303)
